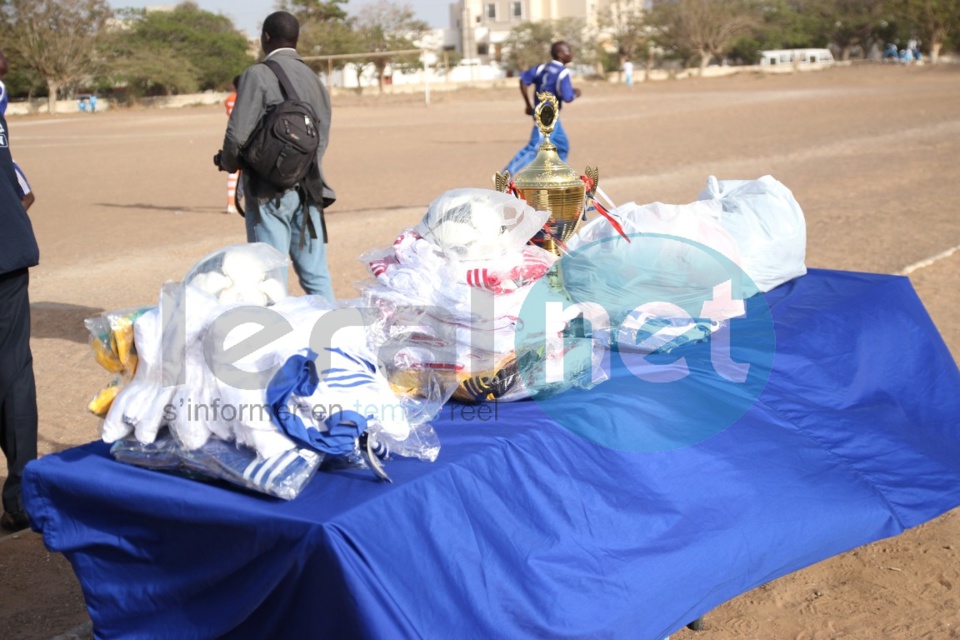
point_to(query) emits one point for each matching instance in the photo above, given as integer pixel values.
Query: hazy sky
(248, 14)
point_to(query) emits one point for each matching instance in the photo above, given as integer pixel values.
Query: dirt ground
(129, 199)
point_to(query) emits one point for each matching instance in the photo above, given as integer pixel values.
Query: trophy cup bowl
(550, 184)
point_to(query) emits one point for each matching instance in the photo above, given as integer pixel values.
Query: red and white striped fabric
(232, 191)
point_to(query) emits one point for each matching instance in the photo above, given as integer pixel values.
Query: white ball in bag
(455, 234)
(211, 282)
(274, 289)
(242, 268)
(242, 295)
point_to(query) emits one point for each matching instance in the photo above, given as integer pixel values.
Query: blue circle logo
(672, 336)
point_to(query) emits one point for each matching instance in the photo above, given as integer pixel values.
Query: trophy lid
(547, 170)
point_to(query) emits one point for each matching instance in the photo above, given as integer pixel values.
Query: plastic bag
(416, 357)
(253, 273)
(480, 224)
(111, 338)
(768, 225)
(678, 258)
(283, 476)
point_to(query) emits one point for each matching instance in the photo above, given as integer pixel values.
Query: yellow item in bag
(100, 404)
(122, 335)
(106, 357)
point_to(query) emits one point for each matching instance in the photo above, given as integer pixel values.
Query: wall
(160, 102)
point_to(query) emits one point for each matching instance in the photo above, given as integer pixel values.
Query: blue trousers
(529, 152)
(281, 226)
(18, 390)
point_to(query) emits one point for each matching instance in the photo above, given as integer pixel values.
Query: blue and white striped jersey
(553, 77)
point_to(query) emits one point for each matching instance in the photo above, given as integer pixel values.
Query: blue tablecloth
(524, 530)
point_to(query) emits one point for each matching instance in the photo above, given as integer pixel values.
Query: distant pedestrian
(552, 77)
(93, 103)
(628, 73)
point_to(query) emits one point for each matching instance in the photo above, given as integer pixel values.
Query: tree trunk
(359, 70)
(935, 51)
(52, 88)
(704, 61)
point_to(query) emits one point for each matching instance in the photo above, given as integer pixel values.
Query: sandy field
(128, 199)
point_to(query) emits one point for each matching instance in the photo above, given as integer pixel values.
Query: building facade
(480, 27)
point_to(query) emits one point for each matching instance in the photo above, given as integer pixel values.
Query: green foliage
(57, 40)
(529, 43)
(622, 21)
(22, 81)
(308, 11)
(703, 29)
(936, 22)
(385, 27)
(180, 51)
(325, 28)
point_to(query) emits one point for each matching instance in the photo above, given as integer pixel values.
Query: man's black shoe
(15, 521)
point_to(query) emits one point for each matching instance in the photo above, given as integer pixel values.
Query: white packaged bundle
(676, 258)
(253, 273)
(767, 224)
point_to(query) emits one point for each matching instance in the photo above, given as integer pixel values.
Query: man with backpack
(277, 134)
(552, 77)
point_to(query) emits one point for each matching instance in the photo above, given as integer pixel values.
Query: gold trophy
(546, 184)
(550, 184)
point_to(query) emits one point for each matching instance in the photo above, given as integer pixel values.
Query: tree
(707, 28)
(847, 24)
(22, 81)
(179, 51)
(621, 21)
(314, 10)
(936, 19)
(384, 27)
(528, 43)
(56, 38)
(325, 29)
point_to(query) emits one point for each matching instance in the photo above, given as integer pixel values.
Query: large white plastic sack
(767, 224)
(620, 274)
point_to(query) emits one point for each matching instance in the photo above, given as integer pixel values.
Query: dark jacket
(259, 89)
(18, 245)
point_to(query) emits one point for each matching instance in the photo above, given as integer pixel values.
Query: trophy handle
(593, 175)
(501, 181)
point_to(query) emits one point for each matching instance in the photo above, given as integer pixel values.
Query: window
(516, 9)
(483, 49)
(491, 11)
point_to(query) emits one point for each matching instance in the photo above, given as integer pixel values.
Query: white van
(792, 56)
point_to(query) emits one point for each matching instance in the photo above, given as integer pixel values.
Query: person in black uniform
(18, 391)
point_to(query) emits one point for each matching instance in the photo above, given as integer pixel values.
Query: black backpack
(283, 147)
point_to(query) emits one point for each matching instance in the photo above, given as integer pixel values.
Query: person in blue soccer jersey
(552, 77)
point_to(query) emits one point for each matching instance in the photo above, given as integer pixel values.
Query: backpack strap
(285, 85)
